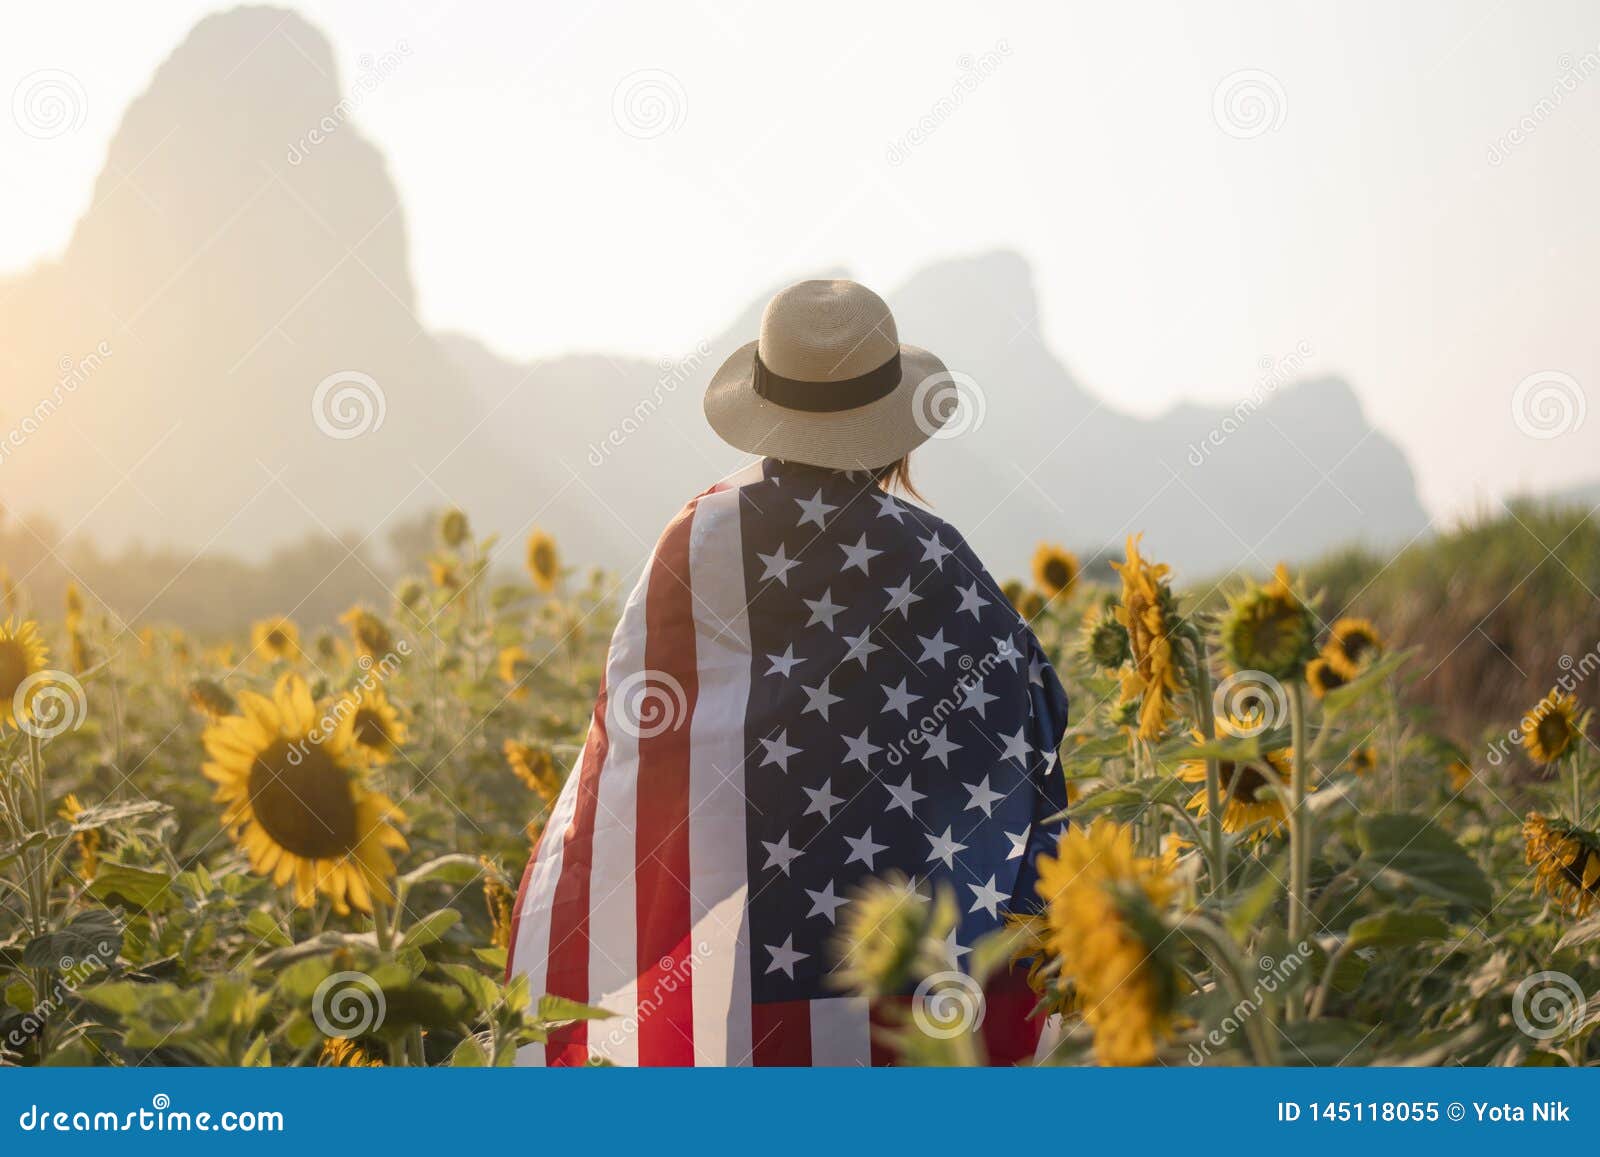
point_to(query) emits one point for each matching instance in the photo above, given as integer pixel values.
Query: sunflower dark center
(13, 669)
(544, 559)
(305, 806)
(276, 639)
(1356, 645)
(1057, 573)
(1243, 781)
(1552, 733)
(369, 728)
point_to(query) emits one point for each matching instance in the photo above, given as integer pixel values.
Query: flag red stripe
(1010, 1034)
(781, 1030)
(568, 973)
(666, 1031)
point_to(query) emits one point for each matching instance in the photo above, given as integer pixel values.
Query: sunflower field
(301, 846)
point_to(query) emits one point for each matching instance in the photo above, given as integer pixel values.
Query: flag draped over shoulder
(813, 683)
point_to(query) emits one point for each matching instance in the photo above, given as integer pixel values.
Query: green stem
(1206, 710)
(1323, 989)
(40, 916)
(1231, 967)
(1299, 826)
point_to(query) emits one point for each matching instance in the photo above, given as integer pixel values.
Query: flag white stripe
(613, 918)
(841, 1032)
(718, 876)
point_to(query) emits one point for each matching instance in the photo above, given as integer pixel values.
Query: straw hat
(828, 383)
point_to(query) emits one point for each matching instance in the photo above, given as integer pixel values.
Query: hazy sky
(1377, 209)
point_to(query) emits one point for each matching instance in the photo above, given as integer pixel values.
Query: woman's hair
(897, 476)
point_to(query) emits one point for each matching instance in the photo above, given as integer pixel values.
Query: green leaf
(1340, 700)
(1585, 931)
(430, 929)
(143, 889)
(265, 928)
(103, 815)
(1394, 926)
(1126, 799)
(1404, 852)
(484, 991)
(92, 937)
(1324, 1043)
(456, 868)
(560, 1008)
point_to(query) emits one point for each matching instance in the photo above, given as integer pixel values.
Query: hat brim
(862, 438)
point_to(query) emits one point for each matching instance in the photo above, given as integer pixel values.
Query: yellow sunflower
(372, 636)
(535, 767)
(1248, 798)
(375, 723)
(342, 1053)
(1322, 677)
(1567, 859)
(276, 638)
(1362, 760)
(1461, 774)
(22, 654)
(1104, 639)
(208, 697)
(497, 898)
(294, 800)
(1552, 728)
(1149, 614)
(1105, 907)
(73, 601)
(445, 573)
(1055, 570)
(1269, 628)
(544, 564)
(890, 935)
(454, 527)
(88, 841)
(1351, 645)
(82, 656)
(512, 664)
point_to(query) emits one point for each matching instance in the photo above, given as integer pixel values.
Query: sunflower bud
(892, 936)
(454, 528)
(1269, 628)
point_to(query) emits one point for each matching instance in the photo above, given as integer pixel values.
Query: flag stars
(819, 699)
(987, 897)
(1017, 747)
(889, 508)
(976, 698)
(972, 601)
(1019, 844)
(815, 510)
(860, 647)
(981, 795)
(933, 550)
(860, 749)
(778, 751)
(898, 699)
(826, 903)
(863, 849)
(1005, 651)
(934, 647)
(784, 956)
(784, 663)
(940, 747)
(823, 801)
(903, 797)
(859, 555)
(945, 848)
(823, 610)
(901, 598)
(780, 855)
(776, 566)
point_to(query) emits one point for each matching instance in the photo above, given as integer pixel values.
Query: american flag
(813, 683)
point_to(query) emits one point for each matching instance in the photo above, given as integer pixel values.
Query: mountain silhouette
(227, 355)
